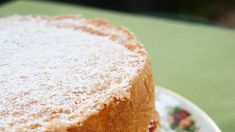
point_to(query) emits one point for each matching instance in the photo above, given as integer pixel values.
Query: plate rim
(191, 104)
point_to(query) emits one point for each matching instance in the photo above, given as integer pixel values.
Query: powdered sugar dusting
(49, 73)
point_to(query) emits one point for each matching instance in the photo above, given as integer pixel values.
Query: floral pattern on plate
(180, 115)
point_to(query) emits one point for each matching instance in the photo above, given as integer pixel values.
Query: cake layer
(63, 70)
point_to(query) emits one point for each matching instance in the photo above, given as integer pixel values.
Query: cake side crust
(122, 115)
(129, 114)
(130, 108)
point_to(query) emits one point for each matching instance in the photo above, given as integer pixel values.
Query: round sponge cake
(67, 73)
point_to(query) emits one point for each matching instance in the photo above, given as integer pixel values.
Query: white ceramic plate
(179, 114)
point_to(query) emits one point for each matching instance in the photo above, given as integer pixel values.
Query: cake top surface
(51, 72)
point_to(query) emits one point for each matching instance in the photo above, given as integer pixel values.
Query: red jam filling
(152, 126)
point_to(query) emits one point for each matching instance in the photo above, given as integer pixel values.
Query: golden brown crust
(102, 27)
(135, 110)
(129, 115)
